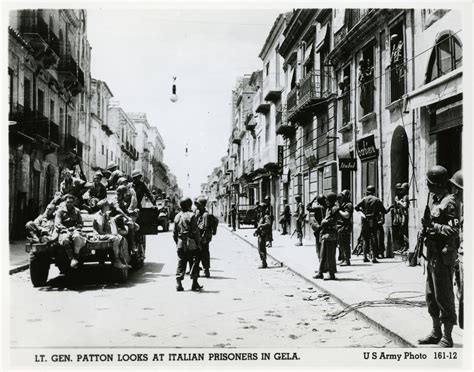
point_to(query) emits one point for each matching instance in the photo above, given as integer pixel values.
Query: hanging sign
(280, 156)
(347, 164)
(366, 148)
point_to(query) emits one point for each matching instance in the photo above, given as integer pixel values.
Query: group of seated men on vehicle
(113, 220)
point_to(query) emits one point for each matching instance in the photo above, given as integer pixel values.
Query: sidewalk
(19, 259)
(364, 282)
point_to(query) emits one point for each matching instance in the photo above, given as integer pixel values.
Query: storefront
(368, 155)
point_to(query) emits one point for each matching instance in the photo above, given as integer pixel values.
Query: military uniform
(68, 222)
(114, 176)
(344, 230)
(315, 222)
(102, 225)
(300, 215)
(329, 242)
(263, 232)
(202, 218)
(42, 228)
(74, 186)
(187, 238)
(373, 209)
(442, 243)
(142, 190)
(233, 216)
(285, 219)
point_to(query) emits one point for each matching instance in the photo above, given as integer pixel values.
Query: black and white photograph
(258, 185)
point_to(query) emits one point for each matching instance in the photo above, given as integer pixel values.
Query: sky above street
(137, 52)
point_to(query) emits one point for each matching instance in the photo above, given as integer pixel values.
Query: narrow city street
(240, 306)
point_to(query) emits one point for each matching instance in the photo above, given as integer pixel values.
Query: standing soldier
(404, 203)
(272, 218)
(115, 174)
(397, 218)
(318, 213)
(263, 234)
(300, 216)
(371, 209)
(344, 227)
(141, 188)
(329, 238)
(285, 217)
(458, 189)
(205, 230)
(187, 238)
(440, 227)
(233, 216)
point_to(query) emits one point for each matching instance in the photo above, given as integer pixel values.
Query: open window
(445, 57)
(345, 93)
(397, 68)
(366, 80)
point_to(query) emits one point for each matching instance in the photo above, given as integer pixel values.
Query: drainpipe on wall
(380, 125)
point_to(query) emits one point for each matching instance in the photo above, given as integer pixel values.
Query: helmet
(137, 173)
(457, 180)
(346, 193)
(437, 175)
(98, 174)
(297, 197)
(185, 203)
(370, 189)
(122, 189)
(331, 197)
(122, 181)
(398, 186)
(267, 198)
(405, 186)
(201, 201)
(321, 199)
(111, 165)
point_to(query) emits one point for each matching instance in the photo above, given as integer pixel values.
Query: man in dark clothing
(233, 216)
(344, 227)
(205, 230)
(263, 234)
(141, 188)
(300, 216)
(188, 239)
(317, 216)
(442, 240)
(272, 218)
(285, 217)
(371, 209)
(329, 238)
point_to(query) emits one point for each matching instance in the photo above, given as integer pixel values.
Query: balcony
(71, 74)
(259, 104)
(107, 129)
(311, 88)
(282, 126)
(272, 88)
(250, 122)
(237, 136)
(267, 158)
(41, 38)
(292, 102)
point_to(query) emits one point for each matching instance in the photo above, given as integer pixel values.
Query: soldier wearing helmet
(328, 236)
(373, 212)
(317, 213)
(344, 226)
(441, 232)
(141, 188)
(285, 217)
(267, 202)
(97, 192)
(400, 217)
(202, 217)
(457, 188)
(188, 239)
(115, 174)
(124, 208)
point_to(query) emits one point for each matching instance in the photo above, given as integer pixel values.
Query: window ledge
(398, 103)
(368, 117)
(345, 128)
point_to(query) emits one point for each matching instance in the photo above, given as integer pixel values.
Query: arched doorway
(399, 158)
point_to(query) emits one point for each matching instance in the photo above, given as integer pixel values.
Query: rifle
(413, 261)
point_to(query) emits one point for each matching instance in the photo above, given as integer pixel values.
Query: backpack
(183, 220)
(213, 222)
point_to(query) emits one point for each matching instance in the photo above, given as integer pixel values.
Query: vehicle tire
(122, 275)
(138, 259)
(39, 269)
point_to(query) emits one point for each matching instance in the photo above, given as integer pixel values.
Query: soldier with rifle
(318, 213)
(300, 216)
(263, 233)
(440, 233)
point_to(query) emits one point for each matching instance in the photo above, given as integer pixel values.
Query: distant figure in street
(205, 230)
(317, 216)
(344, 226)
(68, 222)
(141, 188)
(263, 233)
(42, 230)
(269, 208)
(188, 239)
(400, 216)
(233, 216)
(371, 209)
(285, 217)
(441, 232)
(329, 238)
(300, 216)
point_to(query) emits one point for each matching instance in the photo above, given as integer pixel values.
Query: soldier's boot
(179, 286)
(446, 339)
(263, 265)
(196, 287)
(299, 243)
(207, 274)
(435, 336)
(118, 264)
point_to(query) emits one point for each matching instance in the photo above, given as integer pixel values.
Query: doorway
(449, 149)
